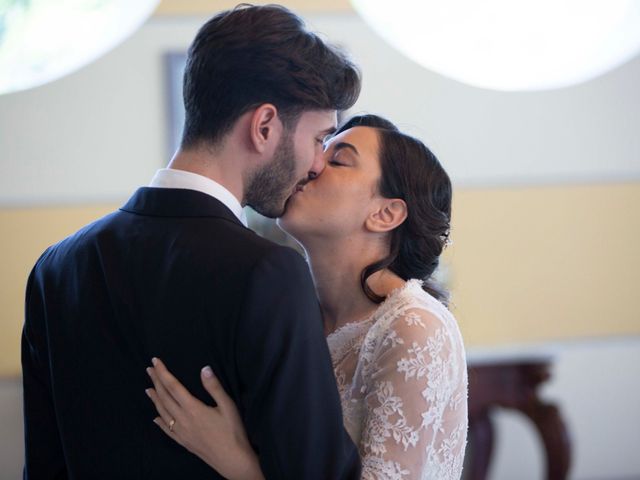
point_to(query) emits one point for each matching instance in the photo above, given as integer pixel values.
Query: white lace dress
(402, 377)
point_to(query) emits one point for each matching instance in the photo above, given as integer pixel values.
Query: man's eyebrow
(328, 131)
(343, 145)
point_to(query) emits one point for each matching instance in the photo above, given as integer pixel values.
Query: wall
(545, 221)
(108, 123)
(526, 264)
(544, 182)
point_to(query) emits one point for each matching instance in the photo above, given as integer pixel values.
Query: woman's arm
(415, 423)
(214, 434)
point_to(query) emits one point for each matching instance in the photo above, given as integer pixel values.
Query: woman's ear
(265, 128)
(391, 213)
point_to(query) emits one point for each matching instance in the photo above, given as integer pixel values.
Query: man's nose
(317, 166)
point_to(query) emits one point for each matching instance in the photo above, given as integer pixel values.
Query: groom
(176, 273)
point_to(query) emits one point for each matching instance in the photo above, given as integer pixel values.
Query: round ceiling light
(508, 44)
(42, 40)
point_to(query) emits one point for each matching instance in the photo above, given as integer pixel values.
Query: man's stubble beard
(269, 187)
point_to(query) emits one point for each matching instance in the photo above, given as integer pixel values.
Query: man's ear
(265, 128)
(391, 213)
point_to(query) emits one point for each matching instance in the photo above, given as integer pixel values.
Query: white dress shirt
(172, 178)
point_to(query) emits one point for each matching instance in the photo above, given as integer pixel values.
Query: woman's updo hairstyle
(412, 173)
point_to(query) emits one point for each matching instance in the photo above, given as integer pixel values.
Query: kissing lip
(299, 187)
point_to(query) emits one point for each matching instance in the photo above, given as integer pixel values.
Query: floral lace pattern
(402, 377)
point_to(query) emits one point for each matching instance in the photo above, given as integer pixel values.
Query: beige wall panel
(546, 263)
(526, 264)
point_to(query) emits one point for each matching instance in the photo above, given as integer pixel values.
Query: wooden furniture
(512, 381)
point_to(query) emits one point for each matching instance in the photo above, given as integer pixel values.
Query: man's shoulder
(78, 239)
(219, 243)
(256, 253)
(226, 235)
(277, 257)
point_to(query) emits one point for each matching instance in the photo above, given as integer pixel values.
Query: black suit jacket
(174, 274)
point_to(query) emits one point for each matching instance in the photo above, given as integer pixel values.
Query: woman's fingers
(165, 416)
(163, 426)
(163, 397)
(171, 384)
(212, 385)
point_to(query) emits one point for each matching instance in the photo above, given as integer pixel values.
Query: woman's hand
(215, 434)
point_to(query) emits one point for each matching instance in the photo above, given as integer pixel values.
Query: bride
(373, 226)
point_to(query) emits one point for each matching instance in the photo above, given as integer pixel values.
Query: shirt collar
(173, 178)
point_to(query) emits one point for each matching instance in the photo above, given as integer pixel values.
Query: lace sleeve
(415, 421)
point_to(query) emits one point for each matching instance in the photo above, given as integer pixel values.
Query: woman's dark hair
(251, 55)
(411, 172)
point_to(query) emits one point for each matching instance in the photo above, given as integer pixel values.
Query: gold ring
(171, 424)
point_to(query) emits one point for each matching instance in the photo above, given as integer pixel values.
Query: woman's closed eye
(340, 163)
(337, 160)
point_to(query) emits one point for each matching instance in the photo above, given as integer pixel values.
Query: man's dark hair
(252, 55)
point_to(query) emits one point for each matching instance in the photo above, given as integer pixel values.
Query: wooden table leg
(555, 437)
